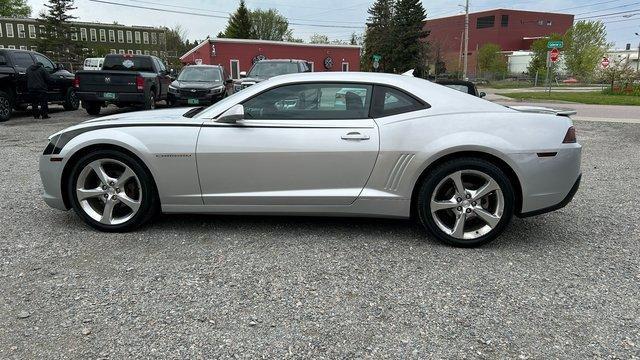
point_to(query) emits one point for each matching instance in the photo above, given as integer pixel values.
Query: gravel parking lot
(562, 285)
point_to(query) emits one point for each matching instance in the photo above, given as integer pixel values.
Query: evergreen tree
(378, 38)
(240, 25)
(410, 49)
(57, 39)
(14, 8)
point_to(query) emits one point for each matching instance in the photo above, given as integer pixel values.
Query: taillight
(76, 82)
(140, 83)
(570, 137)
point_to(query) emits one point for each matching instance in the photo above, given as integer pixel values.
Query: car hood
(251, 79)
(196, 84)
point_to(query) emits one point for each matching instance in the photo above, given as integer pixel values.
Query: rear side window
(389, 101)
(22, 60)
(128, 63)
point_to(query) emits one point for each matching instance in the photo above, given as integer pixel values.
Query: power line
(610, 14)
(216, 16)
(611, 8)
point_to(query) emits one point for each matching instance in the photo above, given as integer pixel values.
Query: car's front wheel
(71, 101)
(93, 108)
(6, 108)
(111, 191)
(466, 202)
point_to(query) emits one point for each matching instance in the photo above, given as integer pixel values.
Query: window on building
(93, 35)
(34, 48)
(145, 37)
(485, 22)
(345, 66)
(9, 28)
(130, 52)
(112, 51)
(161, 38)
(112, 36)
(32, 31)
(120, 36)
(21, 32)
(138, 52)
(504, 21)
(129, 37)
(103, 35)
(121, 51)
(137, 37)
(154, 38)
(549, 22)
(23, 47)
(0, 30)
(83, 34)
(42, 30)
(2, 57)
(12, 46)
(155, 53)
(146, 52)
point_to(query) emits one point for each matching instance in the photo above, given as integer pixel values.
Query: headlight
(173, 89)
(217, 89)
(237, 87)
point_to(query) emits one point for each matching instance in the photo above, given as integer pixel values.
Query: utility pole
(638, 63)
(466, 42)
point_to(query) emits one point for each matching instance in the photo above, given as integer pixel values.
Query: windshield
(200, 74)
(128, 63)
(463, 88)
(267, 69)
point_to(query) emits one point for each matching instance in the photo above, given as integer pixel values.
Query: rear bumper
(137, 97)
(557, 206)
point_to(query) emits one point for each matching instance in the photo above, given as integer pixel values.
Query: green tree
(14, 8)
(318, 39)
(538, 62)
(585, 45)
(240, 25)
(491, 61)
(57, 39)
(270, 25)
(410, 51)
(378, 38)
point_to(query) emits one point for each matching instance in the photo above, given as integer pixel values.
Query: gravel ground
(563, 285)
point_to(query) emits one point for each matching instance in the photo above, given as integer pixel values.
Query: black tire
(150, 102)
(21, 107)
(93, 108)
(6, 106)
(171, 102)
(149, 207)
(71, 101)
(441, 172)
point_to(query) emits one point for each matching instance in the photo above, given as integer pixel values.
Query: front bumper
(202, 99)
(51, 176)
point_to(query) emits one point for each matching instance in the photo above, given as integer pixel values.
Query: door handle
(355, 136)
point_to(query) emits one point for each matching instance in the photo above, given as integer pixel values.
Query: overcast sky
(339, 18)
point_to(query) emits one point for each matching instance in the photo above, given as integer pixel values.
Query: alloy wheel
(467, 204)
(109, 192)
(5, 107)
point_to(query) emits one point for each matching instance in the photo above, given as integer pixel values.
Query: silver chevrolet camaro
(334, 144)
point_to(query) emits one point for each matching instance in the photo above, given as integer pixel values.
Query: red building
(511, 29)
(238, 55)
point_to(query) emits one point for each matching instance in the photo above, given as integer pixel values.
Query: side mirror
(228, 81)
(233, 115)
(243, 74)
(483, 94)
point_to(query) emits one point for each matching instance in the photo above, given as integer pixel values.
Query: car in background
(463, 86)
(265, 69)
(13, 82)
(199, 85)
(125, 80)
(93, 64)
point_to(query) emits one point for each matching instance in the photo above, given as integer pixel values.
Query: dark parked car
(464, 86)
(199, 84)
(13, 82)
(264, 69)
(125, 80)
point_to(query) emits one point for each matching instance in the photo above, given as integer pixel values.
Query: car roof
(203, 66)
(281, 60)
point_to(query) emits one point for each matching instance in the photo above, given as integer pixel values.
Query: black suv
(264, 69)
(13, 82)
(199, 85)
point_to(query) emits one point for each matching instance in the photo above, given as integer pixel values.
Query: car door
(163, 78)
(21, 61)
(302, 144)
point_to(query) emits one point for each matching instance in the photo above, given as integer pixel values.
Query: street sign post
(555, 44)
(605, 63)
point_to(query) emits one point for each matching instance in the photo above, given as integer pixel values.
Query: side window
(22, 60)
(389, 101)
(46, 62)
(322, 101)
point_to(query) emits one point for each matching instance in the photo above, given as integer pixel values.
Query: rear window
(127, 63)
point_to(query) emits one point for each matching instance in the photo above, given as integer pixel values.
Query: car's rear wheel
(150, 102)
(111, 191)
(71, 101)
(93, 108)
(466, 202)
(6, 108)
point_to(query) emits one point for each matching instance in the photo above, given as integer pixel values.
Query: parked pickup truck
(125, 80)
(13, 82)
